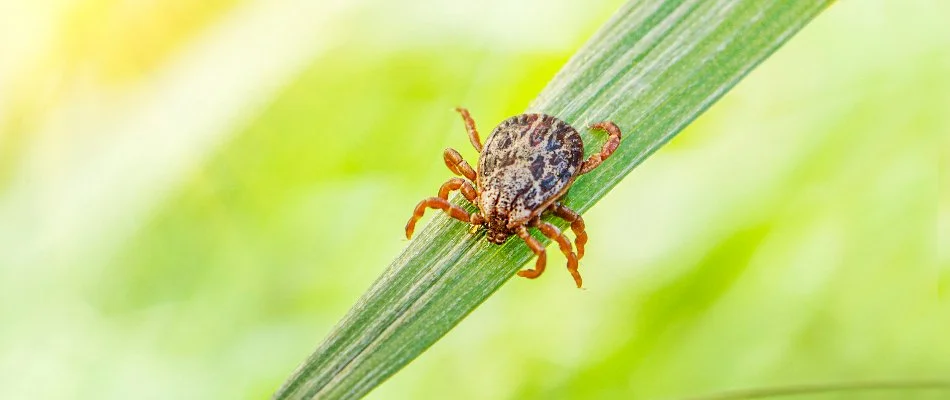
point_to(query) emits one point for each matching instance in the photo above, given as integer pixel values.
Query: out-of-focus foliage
(185, 216)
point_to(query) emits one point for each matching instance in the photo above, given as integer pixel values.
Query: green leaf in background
(652, 69)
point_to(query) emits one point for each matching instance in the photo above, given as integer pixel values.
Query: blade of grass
(652, 69)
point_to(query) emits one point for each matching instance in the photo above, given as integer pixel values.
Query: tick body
(527, 164)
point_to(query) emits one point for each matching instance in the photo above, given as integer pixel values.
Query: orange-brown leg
(470, 127)
(538, 250)
(555, 234)
(577, 226)
(457, 164)
(455, 184)
(613, 140)
(453, 210)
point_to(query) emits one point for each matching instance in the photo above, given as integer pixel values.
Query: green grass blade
(653, 68)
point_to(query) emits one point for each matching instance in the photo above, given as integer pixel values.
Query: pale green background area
(796, 233)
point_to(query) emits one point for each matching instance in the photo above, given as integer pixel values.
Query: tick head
(497, 225)
(497, 237)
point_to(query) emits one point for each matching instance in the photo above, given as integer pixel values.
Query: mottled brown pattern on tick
(527, 164)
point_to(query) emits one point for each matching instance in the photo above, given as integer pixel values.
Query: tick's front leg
(458, 184)
(452, 210)
(538, 250)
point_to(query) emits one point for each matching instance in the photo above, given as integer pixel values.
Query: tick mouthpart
(497, 237)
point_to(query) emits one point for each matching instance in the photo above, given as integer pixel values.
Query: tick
(526, 166)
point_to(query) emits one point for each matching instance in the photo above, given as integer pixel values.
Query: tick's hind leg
(470, 127)
(457, 164)
(555, 234)
(613, 140)
(452, 210)
(577, 226)
(538, 250)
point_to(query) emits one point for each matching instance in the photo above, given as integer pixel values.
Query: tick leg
(613, 140)
(538, 250)
(452, 210)
(457, 164)
(470, 126)
(555, 234)
(455, 184)
(577, 226)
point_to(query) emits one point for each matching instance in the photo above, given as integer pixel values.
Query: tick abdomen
(528, 162)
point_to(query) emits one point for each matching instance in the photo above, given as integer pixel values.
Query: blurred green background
(193, 193)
